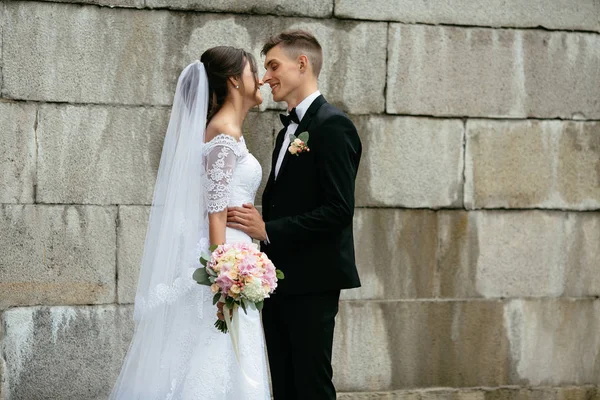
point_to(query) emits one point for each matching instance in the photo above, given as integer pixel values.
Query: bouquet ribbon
(233, 325)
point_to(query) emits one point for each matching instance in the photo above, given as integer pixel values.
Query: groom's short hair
(296, 43)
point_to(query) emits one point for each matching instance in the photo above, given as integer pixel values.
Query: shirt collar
(302, 108)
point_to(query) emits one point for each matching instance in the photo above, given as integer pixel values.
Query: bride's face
(251, 85)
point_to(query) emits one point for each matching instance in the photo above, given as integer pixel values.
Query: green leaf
(259, 305)
(243, 305)
(292, 137)
(279, 274)
(229, 301)
(304, 137)
(203, 261)
(201, 277)
(211, 272)
(213, 248)
(216, 298)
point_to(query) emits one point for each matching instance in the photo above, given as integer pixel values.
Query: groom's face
(282, 75)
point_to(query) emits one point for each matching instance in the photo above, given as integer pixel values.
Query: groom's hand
(248, 220)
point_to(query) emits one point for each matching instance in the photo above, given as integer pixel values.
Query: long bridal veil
(177, 232)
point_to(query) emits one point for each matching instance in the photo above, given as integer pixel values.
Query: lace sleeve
(220, 162)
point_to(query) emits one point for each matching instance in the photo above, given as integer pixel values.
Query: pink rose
(224, 282)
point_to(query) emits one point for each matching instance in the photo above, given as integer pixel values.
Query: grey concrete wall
(478, 197)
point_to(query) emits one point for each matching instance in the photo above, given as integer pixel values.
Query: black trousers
(299, 336)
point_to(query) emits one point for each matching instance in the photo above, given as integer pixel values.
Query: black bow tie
(291, 117)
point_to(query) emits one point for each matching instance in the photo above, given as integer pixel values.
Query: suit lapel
(312, 110)
(278, 144)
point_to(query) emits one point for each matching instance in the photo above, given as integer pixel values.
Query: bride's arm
(216, 227)
(220, 164)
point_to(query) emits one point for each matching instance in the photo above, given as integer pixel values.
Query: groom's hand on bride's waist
(248, 220)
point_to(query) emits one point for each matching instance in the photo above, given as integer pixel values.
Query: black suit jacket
(308, 210)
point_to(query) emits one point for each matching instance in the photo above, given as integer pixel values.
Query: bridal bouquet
(239, 275)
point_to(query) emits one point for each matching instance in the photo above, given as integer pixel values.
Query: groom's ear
(303, 63)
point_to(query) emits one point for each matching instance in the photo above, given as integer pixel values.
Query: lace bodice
(232, 174)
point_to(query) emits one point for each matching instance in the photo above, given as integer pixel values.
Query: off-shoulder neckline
(242, 140)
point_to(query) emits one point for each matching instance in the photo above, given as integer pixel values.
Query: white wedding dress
(198, 361)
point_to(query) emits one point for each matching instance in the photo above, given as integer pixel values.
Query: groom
(308, 205)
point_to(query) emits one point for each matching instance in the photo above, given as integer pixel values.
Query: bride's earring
(237, 86)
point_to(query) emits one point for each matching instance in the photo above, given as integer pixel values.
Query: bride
(176, 352)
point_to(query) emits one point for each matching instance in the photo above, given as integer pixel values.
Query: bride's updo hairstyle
(222, 62)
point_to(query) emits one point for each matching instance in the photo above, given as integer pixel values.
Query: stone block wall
(478, 197)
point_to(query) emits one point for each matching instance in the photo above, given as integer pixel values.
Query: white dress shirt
(301, 110)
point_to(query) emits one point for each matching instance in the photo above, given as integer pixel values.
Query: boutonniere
(299, 144)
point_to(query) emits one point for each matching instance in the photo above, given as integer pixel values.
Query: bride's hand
(248, 220)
